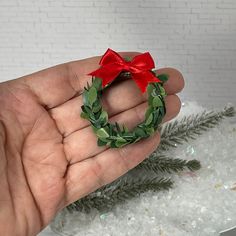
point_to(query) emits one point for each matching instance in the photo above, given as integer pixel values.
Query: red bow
(112, 64)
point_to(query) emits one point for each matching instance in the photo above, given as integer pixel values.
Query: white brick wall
(196, 36)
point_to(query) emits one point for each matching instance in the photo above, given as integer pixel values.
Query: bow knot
(112, 64)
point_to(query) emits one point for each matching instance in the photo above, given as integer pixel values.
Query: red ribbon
(112, 64)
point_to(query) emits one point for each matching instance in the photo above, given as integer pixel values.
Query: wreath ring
(115, 135)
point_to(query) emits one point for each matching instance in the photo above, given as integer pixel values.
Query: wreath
(113, 66)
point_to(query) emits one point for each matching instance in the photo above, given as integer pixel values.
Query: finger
(173, 106)
(82, 144)
(90, 174)
(118, 98)
(175, 83)
(55, 85)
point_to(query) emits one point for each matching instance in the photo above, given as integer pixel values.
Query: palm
(51, 153)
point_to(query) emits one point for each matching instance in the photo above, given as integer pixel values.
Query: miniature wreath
(113, 66)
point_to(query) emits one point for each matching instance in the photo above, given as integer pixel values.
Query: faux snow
(200, 204)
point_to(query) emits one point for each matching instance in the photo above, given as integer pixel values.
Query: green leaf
(120, 143)
(139, 132)
(101, 143)
(103, 115)
(163, 92)
(96, 108)
(148, 112)
(156, 102)
(128, 136)
(149, 119)
(163, 77)
(150, 130)
(105, 140)
(86, 109)
(97, 83)
(85, 98)
(137, 139)
(150, 88)
(92, 95)
(102, 133)
(157, 88)
(150, 98)
(113, 144)
(95, 129)
(162, 111)
(155, 118)
(84, 115)
(103, 118)
(120, 139)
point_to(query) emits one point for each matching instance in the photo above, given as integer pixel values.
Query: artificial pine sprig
(123, 192)
(180, 131)
(169, 165)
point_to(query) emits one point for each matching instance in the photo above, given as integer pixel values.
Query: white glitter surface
(200, 204)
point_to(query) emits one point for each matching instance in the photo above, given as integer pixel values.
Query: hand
(49, 157)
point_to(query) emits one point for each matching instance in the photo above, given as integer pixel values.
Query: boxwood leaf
(149, 120)
(163, 77)
(150, 130)
(102, 133)
(120, 143)
(150, 98)
(150, 88)
(148, 112)
(101, 143)
(103, 116)
(85, 98)
(84, 115)
(163, 93)
(113, 144)
(97, 83)
(120, 139)
(96, 108)
(156, 102)
(139, 132)
(92, 95)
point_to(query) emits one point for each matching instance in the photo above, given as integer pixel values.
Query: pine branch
(178, 132)
(126, 190)
(169, 165)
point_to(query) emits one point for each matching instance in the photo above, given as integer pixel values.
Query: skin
(48, 154)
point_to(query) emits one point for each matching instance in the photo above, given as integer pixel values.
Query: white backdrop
(197, 37)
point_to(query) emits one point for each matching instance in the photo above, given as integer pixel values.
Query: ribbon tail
(140, 81)
(143, 78)
(151, 78)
